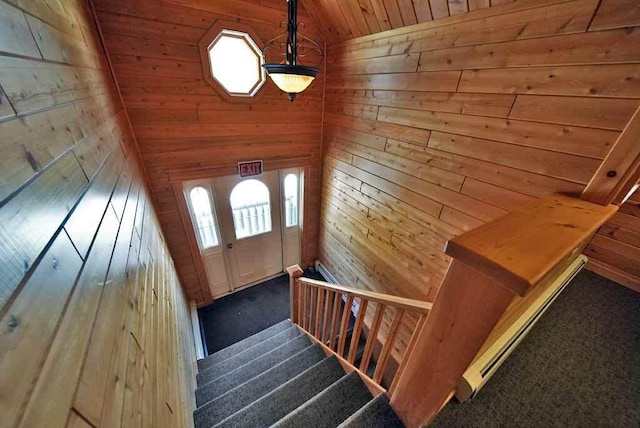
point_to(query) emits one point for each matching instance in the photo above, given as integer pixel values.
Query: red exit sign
(249, 169)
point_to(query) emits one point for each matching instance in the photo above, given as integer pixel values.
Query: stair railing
(323, 310)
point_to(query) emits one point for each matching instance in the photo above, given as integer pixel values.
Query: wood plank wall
(181, 122)
(96, 328)
(434, 129)
(615, 251)
(346, 19)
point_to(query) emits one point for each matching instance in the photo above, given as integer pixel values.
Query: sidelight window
(251, 208)
(203, 215)
(291, 200)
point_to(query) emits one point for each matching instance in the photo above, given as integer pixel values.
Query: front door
(249, 211)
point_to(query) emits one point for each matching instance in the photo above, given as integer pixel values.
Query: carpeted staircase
(279, 378)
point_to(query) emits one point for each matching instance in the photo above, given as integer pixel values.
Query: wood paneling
(413, 158)
(97, 327)
(340, 20)
(183, 124)
(615, 251)
(620, 170)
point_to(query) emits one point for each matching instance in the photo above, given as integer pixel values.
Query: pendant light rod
(292, 31)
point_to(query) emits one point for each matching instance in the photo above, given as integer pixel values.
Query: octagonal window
(236, 63)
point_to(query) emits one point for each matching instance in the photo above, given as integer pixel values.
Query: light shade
(291, 83)
(291, 79)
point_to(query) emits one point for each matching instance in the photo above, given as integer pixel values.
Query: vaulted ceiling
(347, 19)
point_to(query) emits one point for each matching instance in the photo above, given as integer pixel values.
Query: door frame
(179, 177)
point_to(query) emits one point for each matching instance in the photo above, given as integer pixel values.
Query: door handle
(229, 246)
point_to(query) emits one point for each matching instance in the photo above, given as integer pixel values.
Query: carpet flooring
(263, 382)
(239, 315)
(578, 367)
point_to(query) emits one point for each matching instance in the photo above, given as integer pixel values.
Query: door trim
(178, 177)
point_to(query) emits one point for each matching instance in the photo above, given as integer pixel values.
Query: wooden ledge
(521, 248)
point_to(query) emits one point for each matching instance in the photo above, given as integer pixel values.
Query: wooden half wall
(96, 329)
(615, 251)
(434, 129)
(185, 128)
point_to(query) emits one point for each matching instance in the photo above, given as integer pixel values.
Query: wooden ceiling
(347, 19)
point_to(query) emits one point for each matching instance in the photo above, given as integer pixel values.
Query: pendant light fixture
(290, 76)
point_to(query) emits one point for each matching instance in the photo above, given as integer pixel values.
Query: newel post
(467, 307)
(294, 272)
(492, 264)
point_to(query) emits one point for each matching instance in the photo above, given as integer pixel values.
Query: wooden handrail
(318, 308)
(522, 248)
(407, 304)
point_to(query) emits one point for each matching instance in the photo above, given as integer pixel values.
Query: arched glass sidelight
(251, 208)
(203, 213)
(291, 200)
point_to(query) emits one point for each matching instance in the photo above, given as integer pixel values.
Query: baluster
(303, 317)
(357, 329)
(334, 320)
(263, 218)
(319, 303)
(388, 346)
(312, 308)
(403, 361)
(372, 337)
(267, 209)
(299, 301)
(308, 306)
(344, 325)
(253, 212)
(327, 318)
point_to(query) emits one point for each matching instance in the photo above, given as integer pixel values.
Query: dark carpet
(239, 315)
(578, 367)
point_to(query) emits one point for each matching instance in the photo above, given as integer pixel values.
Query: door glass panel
(203, 214)
(291, 200)
(251, 208)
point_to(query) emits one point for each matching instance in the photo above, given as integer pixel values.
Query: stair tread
(254, 352)
(278, 403)
(240, 346)
(377, 413)
(330, 407)
(212, 387)
(227, 404)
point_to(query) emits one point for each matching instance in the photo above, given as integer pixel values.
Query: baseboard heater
(497, 348)
(332, 279)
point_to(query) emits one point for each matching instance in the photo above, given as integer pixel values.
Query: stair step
(331, 407)
(244, 344)
(377, 413)
(216, 410)
(214, 386)
(289, 396)
(254, 352)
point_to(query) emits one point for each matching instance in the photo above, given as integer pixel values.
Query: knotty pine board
(615, 251)
(341, 20)
(85, 270)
